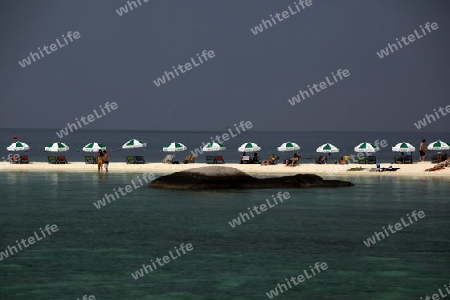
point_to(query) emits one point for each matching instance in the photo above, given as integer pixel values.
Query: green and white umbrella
(174, 147)
(327, 148)
(249, 147)
(93, 147)
(438, 145)
(366, 148)
(132, 144)
(57, 147)
(403, 147)
(18, 146)
(213, 147)
(288, 146)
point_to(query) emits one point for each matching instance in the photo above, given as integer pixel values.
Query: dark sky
(250, 78)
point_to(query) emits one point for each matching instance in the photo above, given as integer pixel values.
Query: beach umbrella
(288, 146)
(18, 146)
(93, 147)
(213, 147)
(327, 148)
(57, 147)
(403, 147)
(366, 148)
(132, 144)
(249, 147)
(174, 147)
(438, 145)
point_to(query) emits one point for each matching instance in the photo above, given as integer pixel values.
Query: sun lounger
(169, 159)
(52, 159)
(61, 160)
(434, 159)
(371, 159)
(24, 159)
(321, 160)
(90, 160)
(408, 159)
(345, 160)
(362, 160)
(245, 159)
(291, 163)
(190, 159)
(139, 160)
(219, 160)
(398, 159)
(130, 159)
(14, 158)
(209, 159)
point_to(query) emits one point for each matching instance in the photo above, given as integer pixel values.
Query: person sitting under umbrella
(255, 158)
(293, 161)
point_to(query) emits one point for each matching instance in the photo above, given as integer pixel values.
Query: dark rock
(231, 178)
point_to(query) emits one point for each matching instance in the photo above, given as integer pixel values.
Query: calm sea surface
(95, 251)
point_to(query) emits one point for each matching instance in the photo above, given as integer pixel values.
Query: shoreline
(329, 170)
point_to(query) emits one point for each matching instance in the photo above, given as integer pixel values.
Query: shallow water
(95, 250)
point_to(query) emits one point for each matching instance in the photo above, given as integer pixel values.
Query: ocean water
(95, 251)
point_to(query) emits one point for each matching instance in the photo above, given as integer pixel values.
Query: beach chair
(321, 160)
(219, 160)
(130, 159)
(51, 159)
(289, 162)
(14, 158)
(434, 159)
(209, 159)
(190, 159)
(371, 159)
(169, 159)
(139, 159)
(89, 160)
(245, 159)
(408, 159)
(24, 159)
(362, 160)
(61, 160)
(398, 159)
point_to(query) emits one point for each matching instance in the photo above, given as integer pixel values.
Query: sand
(414, 170)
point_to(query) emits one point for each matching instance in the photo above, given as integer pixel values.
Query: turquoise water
(95, 251)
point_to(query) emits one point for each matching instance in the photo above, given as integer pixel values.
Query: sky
(249, 78)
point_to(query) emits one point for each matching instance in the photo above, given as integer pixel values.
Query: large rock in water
(215, 177)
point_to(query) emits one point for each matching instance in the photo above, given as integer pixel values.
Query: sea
(95, 251)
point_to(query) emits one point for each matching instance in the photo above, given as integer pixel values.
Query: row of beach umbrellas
(364, 147)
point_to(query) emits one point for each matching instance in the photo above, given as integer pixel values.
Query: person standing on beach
(422, 150)
(100, 157)
(106, 160)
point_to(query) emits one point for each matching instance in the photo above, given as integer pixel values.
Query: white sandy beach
(415, 170)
